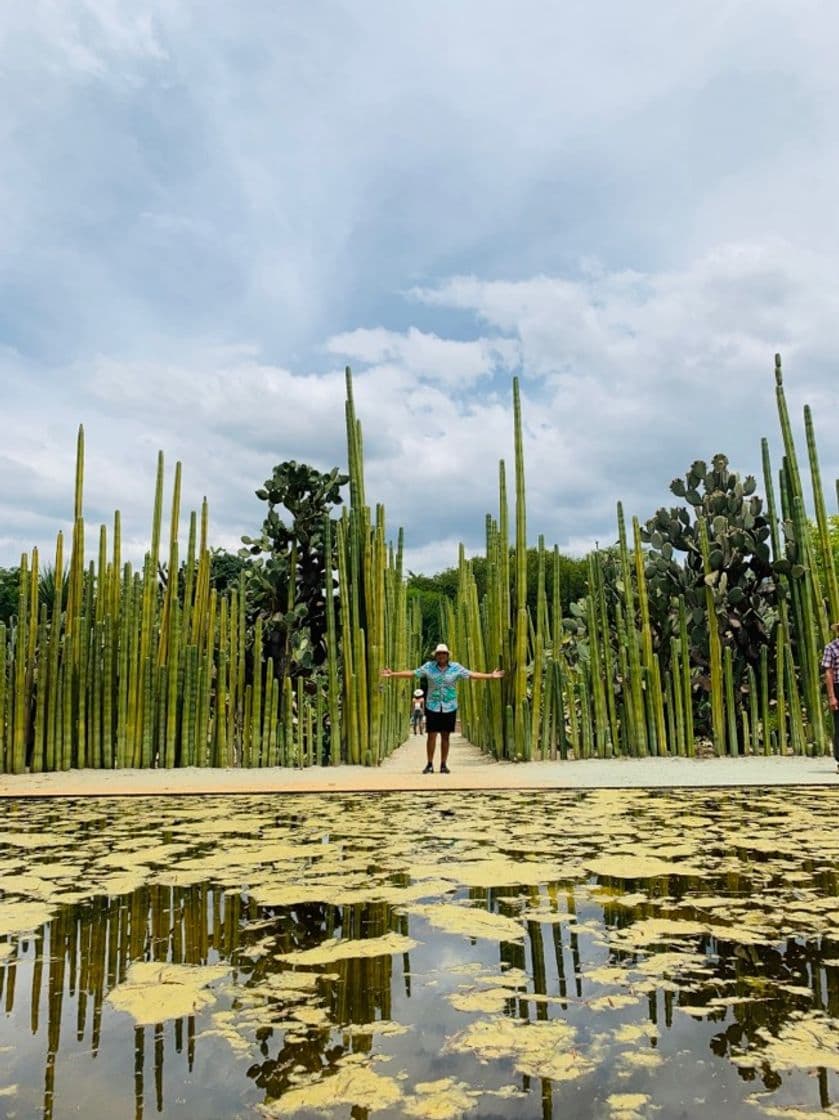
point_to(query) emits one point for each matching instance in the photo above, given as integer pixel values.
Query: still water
(611, 954)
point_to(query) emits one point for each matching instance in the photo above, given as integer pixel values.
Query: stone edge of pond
(623, 773)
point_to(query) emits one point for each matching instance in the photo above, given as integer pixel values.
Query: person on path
(830, 665)
(441, 700)
(417, 711)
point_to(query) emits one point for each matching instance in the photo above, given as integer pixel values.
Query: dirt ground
(402, 771)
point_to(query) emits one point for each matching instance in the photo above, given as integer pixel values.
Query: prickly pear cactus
(742, 576)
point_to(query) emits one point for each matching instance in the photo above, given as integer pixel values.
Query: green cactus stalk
(559, 694)
(613, 743)
(672, 743)
(601, 718)
(680, 743)
(754, 720)
(636, 697)
(519, 666)
(108, 692)
(714, 647)
(220, 749)
(586, 728)
(36, 765)
(653, 694)
(765, 709)
(19, 701)
(149, 725)
(288, 723)
(81, 759)
(332, 660)
(687, 682)
(730, 710)
(174, 666)
(812, 625)
(780, 670)
(825, 550)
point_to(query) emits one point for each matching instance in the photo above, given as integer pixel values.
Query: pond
(607, 954)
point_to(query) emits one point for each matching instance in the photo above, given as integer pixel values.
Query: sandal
(429, 769)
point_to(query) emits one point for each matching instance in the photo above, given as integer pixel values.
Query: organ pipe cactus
(710, 620)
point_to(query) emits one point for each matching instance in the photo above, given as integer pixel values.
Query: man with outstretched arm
(441, 700)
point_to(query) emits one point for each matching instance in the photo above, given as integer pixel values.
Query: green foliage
(431, 604)
(815, 551)
(47, 588)
(434, 591)
(576, 612)
(226, 568)
(9, 583)
(286, 576)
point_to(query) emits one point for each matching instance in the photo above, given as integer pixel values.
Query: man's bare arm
(831, 691)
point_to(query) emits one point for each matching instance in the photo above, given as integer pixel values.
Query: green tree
(287, 568)
(9, 584)
(47, 588)
(226, 568)
(433, 590)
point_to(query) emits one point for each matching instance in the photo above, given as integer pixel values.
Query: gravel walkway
(402, 771)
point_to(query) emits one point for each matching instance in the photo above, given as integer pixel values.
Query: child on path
(418, 712)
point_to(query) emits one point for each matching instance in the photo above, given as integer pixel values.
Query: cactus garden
(612, 953)
(700, 630)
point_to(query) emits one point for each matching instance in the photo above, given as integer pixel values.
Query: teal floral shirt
(442, 685)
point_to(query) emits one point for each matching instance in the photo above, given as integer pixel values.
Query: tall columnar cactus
(630, 639)
(373, 617)
(812, 622)
(522, 747)
(823, 532)
(710, 622)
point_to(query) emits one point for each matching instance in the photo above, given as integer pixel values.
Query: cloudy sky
(208, 209)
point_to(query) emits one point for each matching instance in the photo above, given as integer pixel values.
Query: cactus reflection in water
(84, 953)
(342, 951)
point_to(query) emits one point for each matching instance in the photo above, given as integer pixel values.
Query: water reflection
(619, 940)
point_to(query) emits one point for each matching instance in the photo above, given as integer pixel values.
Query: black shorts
(439, 721)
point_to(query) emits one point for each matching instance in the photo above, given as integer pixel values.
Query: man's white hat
(417, 692)
(442, 648)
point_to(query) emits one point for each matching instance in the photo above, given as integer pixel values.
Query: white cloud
(88, 37)
(434, 556)
(627, 378)
(450, 361)
(205, 215)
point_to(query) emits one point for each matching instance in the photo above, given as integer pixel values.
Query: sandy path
(402, 771)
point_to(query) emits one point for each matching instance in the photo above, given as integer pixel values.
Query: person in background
(441, 699)
(418, 711)
(830, 665)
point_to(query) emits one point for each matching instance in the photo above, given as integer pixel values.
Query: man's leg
(430, 746)
(836, 734)
(444, 747)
